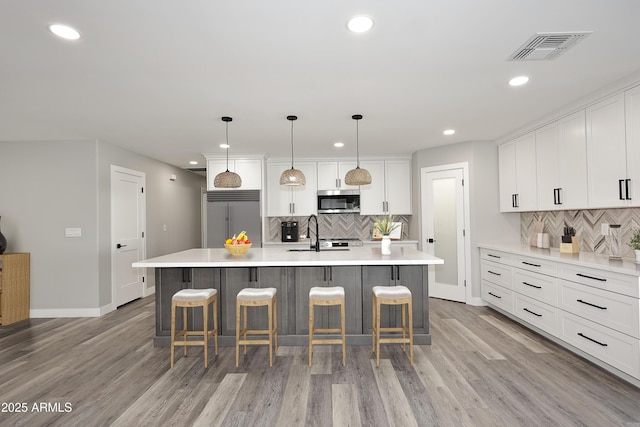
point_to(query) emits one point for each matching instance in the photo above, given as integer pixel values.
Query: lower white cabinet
(594, 310)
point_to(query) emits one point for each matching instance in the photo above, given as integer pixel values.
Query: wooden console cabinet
(14, 287)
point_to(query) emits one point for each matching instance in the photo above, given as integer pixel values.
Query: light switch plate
(604, 229)
(73, 232)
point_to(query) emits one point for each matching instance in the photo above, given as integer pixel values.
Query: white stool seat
(193, 294)
(256, 294)
(391, 292)
(326, 293)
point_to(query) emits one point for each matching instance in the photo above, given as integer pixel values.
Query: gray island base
(293, 274)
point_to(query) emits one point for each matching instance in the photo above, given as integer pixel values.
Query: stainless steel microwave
(339, 201)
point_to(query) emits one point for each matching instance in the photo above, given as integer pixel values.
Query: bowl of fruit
(239, 245)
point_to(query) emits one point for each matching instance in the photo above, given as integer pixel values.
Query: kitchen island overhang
(293, 273)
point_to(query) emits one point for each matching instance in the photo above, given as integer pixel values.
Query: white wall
(487, 223)
(47, 186)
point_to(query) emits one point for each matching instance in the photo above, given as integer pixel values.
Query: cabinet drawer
(536, 313)
(618, 350)
(537, 286)
(496, 273)
(619, 312)
(615, 282)
(549, 268)
(495, 256)
(498, 296)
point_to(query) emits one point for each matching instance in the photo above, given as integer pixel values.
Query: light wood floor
(481, 370)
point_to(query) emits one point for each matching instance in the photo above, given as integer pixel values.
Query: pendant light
(292, 177)
(227, 179)
(357, 176)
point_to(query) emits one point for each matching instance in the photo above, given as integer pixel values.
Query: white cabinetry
(283, 200)
(594, 310)
(561, 164)
(632, 120)
(250, 171)
(608, 182)
(390, 188)
(517, 164)
(331, 175)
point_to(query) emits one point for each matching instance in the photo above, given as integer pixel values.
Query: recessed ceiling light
(224, 146)
(449, 132)
(338, 144)
(360, 24)
(518, 81)
(64, 32)
(193, 162)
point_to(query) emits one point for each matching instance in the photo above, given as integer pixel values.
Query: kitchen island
(293, 274)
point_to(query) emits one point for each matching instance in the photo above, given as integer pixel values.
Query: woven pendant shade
(293, 176)
(227, 179)
(357, 176)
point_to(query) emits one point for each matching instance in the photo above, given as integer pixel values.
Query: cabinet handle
(591, 339)
(337, 182)
(620, 181)
(529, 311)
(531, 264)
(494, 295)
(556, 196)
(398, 273)
(493, 272)
(392, 273)
(513, 201)
(591, 277)
(324, 278)
(330, 274)
(627, 182)
(592, 305)
(533, 286)
(494, 256)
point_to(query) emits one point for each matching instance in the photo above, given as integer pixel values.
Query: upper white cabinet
(561, 164)
(608, 183)
(283, 200)
(250, 171)
(517, 171)
(331, 175)
(390, 188)
(632, 115)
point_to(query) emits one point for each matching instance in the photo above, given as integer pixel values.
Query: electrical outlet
(604, 229)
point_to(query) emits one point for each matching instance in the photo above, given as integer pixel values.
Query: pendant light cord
(227, 134)
(358, 144)
(291, 144)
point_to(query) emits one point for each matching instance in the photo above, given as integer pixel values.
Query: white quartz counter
(281, 257)
(585, 259)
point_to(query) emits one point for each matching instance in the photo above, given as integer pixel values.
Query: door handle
(118, 246)
(431, 240)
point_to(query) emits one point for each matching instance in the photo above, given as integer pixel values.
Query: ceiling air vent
(546, 46)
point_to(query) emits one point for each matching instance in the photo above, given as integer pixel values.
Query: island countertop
(281, 257)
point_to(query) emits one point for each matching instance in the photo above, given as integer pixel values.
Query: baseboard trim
(148, 291)
(476, 301)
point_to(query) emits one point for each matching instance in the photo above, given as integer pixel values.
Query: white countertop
(280, 257)
(585, 259)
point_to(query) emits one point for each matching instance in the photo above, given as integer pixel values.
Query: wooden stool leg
(410, 331)
(184, 328)
(173, 331)
(215, 323)
(270, 326)
(373, 323)
(311, 323)
(205, 334)
(237, 332)
(275, 320)
(344, 341)
(245, 327)
(404, 328)
(377, 332)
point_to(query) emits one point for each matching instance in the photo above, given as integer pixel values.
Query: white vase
(637, 252)
(385, 245)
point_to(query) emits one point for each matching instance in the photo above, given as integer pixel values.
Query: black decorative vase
(3, 242)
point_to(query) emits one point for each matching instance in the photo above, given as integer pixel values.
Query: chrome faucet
(317, 244)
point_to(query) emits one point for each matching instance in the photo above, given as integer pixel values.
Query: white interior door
(443, 231)
(127, 234)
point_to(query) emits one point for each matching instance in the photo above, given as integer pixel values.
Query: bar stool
(391, 295)
(186, 298)
(254, 297)
(326, 296)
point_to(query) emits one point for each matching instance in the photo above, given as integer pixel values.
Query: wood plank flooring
(481, 370)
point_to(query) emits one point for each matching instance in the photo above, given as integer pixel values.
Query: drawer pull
(591, 339)
(591, 277)
(494, 295)
(492, 272)
(592, 305)
(494, 256)
(531, 264)
(529, 311)
(533, 286)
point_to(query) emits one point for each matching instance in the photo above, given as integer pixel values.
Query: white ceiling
(155, 76)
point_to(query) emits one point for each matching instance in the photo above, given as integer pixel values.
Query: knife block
(570, 248)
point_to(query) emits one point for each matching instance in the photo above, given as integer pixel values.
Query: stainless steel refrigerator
(230, 212)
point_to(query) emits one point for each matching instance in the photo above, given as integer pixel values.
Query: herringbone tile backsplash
(335, 226)
(587, 224)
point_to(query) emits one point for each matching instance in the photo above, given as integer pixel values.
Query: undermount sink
(321, 250)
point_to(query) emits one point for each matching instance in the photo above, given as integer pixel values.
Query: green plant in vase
(385, 226)
(634, 243)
